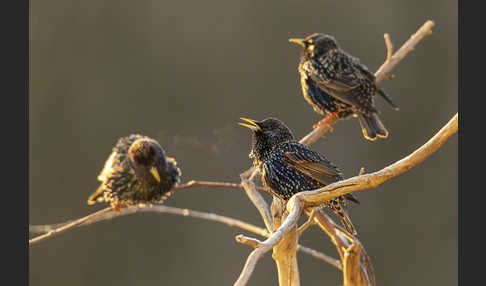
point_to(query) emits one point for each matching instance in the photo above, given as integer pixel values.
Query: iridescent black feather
(288, 167)
(334, 82)
(128, 176)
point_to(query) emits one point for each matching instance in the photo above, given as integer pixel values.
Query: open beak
(299, 42)
(254, 125)
(155, 173)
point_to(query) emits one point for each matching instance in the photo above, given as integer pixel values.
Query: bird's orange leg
(117, 206)
(325, 122)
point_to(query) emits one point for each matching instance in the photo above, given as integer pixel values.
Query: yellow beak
(254, 126)
(299, 42)
(155, 173)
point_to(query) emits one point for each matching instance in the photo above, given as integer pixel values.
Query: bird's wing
(345, 80)
(313, 164)
(363, 69)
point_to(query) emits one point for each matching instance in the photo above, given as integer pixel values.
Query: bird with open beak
(136, 172)
(288, 167)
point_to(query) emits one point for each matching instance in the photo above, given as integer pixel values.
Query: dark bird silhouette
(288, 167)
(337, 84)
(137, 171)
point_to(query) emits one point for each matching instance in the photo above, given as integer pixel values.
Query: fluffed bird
(136, 172)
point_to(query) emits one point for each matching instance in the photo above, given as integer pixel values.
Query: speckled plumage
(334, 82)
(288, 167)
(125, 178)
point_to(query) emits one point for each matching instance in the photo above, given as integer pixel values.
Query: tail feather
(347, 223)
(372, 126)
(387, 98)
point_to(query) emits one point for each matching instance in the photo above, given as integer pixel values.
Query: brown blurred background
(183, 72)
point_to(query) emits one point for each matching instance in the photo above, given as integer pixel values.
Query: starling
(337, 84)
(288, 167)
(137, 172)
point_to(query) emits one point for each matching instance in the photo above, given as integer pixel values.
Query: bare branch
(261, 205)
(389, 47)
(97, 217)
(268, 244)
(352, 266)
(423, 31)
(310, 222)
(285, 257)
(321, 256)
(193, 184)
(68, 226)
(253, 242)
(362, 182)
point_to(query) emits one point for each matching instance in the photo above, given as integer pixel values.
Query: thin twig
(257, 200)
(310, 222)
(194, 184)
(321, 256)
(68, 226)
(406, 48)
(253, 242)
(389, 47)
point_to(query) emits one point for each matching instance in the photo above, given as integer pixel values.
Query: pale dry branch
(260, 203)
(253, 242)
(367, 181)
(98, 217)
(268, 244)
(335, 232)
(285, 257)
(108, 213)
(310, 222)
(67, 226)
(193, 184)
(321, 256)
(54, 230)
(389, 47)
(352, 266)
(318, 197)
(406, 48)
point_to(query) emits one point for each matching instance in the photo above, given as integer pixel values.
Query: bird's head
(267, 134)
(148, 159)
(316, 44)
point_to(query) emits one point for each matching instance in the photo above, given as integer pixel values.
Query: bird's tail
(97, 196)
(372, 126)
(346, 221)
(387, 98)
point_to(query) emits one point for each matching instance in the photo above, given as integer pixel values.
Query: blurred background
(183, 72)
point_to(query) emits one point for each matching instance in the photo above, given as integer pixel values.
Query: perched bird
(137, 171)
(288, 167)
(337, 84)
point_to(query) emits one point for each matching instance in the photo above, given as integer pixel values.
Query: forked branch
(318, 197)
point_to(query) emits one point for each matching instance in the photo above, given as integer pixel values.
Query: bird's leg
(325, 122)
(117, 205)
